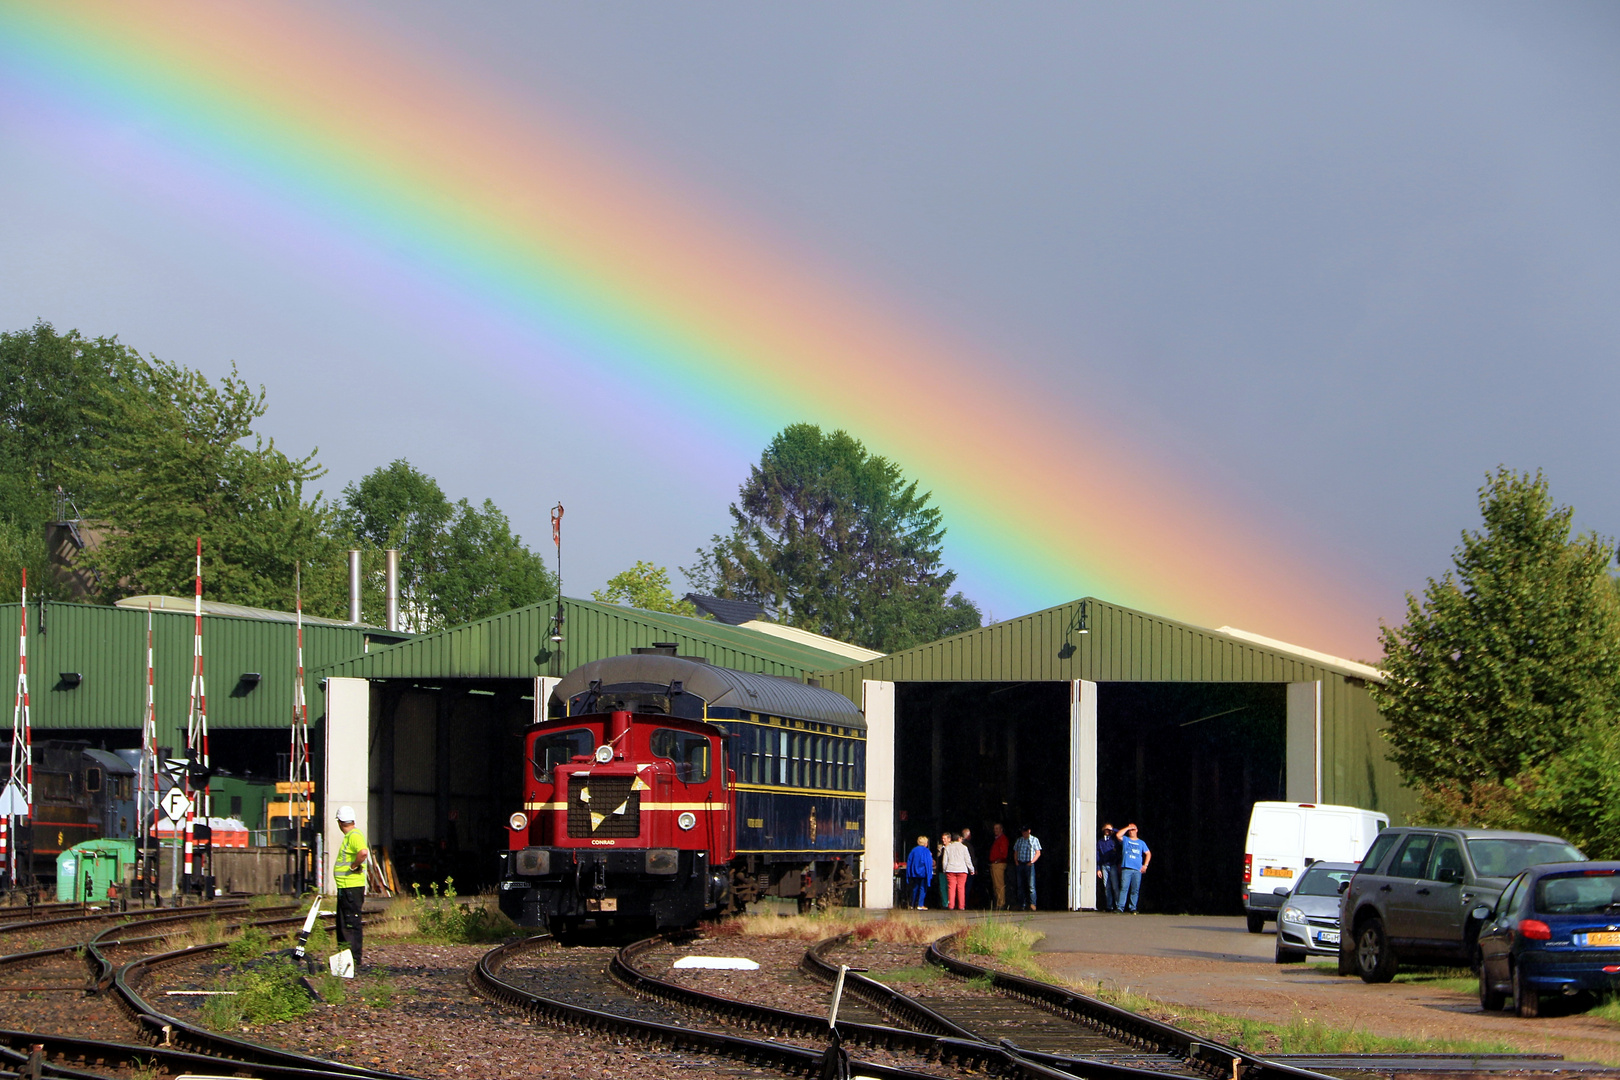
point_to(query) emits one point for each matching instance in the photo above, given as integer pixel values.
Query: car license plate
(1602, 938)
(1276, 871)
(1327, 937)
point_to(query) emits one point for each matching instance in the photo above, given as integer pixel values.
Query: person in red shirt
(1000, 849)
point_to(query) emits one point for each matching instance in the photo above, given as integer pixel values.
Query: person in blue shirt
(1134, 857)
(919, 872)
(1026, 852)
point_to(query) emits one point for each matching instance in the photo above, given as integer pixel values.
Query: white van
(1285, 838)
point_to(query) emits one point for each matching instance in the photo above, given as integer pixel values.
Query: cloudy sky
(1317, 268)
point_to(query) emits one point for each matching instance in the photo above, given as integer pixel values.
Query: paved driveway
(1213, 962)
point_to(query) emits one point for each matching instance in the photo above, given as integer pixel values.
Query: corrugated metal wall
(1124, 645)
(518, 645)
(107, 645)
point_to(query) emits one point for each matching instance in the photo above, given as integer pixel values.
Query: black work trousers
(349, 929)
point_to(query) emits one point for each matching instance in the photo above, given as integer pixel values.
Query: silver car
(1308, 923)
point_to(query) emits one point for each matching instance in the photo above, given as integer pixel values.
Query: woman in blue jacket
(919, 872)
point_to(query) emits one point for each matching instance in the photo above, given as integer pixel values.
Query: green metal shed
(1089, 712)
(521, 644)
(424, 738)
(87, 671)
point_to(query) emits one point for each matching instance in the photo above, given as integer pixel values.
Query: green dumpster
(86, 871)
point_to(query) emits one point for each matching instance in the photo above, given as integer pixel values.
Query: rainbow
(299, 128)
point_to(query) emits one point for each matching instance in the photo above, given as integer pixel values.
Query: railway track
(1168, 1041)
(568, 1001)
(167, 1042)
(46, 922)
(1024, 1028)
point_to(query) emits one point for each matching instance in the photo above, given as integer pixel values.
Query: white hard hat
(345, 813)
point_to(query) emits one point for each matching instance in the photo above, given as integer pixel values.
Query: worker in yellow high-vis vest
(349, 874)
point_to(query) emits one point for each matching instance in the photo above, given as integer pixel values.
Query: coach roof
(720, 688)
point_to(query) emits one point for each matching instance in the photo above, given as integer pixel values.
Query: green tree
(458, 562)
(1508, 662)
(173, 463)
(398, 507)
(486, 569)
(51, 387)
(833, 539)
(646, 587)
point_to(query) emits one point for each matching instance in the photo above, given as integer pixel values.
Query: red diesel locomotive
(662, 789)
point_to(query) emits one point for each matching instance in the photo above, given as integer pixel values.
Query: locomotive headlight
(687, 820)
(519, 821)
(604, 754)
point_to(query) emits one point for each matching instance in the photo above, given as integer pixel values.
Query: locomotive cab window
(559, 748)
(689, 752)
(92, 779)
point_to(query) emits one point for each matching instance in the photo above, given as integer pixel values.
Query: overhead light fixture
(1080, 624)
(71, 679)
(250, 678)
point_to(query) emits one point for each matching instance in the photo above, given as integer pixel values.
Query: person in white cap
(349, 874)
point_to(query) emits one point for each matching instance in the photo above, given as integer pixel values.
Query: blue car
(1554, 930)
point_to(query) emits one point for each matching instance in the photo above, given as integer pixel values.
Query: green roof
(518, 645)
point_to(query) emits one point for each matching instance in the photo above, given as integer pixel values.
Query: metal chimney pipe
(393, 589)
(354, 586)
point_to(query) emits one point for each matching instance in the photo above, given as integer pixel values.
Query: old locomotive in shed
(663, 788)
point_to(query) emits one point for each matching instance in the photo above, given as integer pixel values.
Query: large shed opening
(1186, 762)
(446, 761)
(971, 754)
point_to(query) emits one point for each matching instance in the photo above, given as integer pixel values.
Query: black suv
(1416, 890)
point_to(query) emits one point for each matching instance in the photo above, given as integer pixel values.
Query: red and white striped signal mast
(196, 737)
(146, 776)
(17, 798)
(300, 792)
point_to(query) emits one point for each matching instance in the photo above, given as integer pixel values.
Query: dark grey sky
(1337, 261)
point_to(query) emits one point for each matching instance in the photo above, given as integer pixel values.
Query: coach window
(689, 752)
(782, 758)
(559, 748)
(821, 762)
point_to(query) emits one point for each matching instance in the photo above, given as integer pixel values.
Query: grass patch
(203, 932)
(911, 976)
(1007, 943)
(898, 926)
(1300, 1035)
(269, 993)
(379, 993)
(333, 990)
(1441, 978)
(1459, 979)
(249, 945)
(438, 915)
(1011, 945)
(1607, 1008)
(265, 901)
